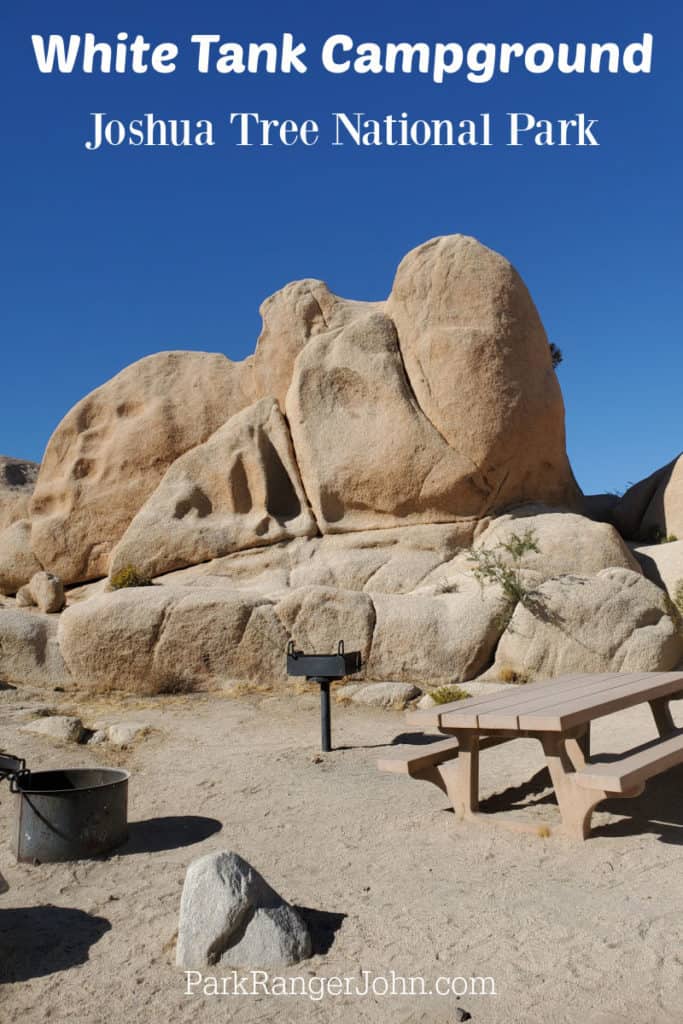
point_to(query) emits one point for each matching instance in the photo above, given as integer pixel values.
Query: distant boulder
(17, 480)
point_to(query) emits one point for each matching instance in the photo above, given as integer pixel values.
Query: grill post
(325, 716)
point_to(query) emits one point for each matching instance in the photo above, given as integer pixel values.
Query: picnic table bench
(558, 714)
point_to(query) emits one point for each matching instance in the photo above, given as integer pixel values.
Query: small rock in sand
(99, 736)
(124, 733)
(386, 695)
(58, 727)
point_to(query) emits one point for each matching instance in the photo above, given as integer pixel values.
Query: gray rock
(425, 702)
(386, 695)
(229, 915)
(47, 591)
(98, 737)
(123, 733)
(58, 727)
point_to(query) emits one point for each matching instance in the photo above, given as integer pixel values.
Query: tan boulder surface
(30, 654)
(17, 480)
(110, 451)
(17, 561)
(166, 639)
(479, 362)
(567, 543)
(317, 618)
(368, 456)
(393, 561)
(616, 621)
(240, 489)
(652, 508)
(436, 639)
(291, 317)
(44, 591)
(663, 564)
(663, 516)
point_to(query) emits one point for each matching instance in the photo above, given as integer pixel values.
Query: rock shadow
(38, 941)
(323, 926)
(153, 835)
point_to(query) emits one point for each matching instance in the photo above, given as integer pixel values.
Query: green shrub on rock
(128, 577)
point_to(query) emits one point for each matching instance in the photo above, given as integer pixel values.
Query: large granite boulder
(160, 639)
(436, 638)
(17, 561)
(663, 564)
(30, 654)
(291, 317)
(652, 509)
(567, 542)
(369, 458)
(111, 450)
(479, 363)
(393, 561)
(17, 480)
(615, 621)
(240, 489)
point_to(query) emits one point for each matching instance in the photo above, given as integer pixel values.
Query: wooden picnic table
(558, 714)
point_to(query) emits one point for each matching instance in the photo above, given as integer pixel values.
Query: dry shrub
(510, 675)
(447, 694)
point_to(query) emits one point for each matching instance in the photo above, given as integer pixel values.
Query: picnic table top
(552, 706)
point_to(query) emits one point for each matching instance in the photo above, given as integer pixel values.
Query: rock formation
(240, 489)
(17, 480)
(652, 509)
(109, 453)
(328, 487)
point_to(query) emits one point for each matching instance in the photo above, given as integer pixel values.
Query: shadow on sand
(37, 941)
(156, 834)
(323, 926)
(658, 810)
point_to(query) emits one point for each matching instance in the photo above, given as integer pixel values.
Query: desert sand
(569, 931)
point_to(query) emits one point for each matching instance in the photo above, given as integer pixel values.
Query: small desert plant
(657, 536)
(128, 577)
(555, 355)
(446, 694)
(491, 565)
(510, 675)
(445, 586)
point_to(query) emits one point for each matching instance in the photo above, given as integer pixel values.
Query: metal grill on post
(323, 669)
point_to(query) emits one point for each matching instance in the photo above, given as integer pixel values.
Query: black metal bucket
(70, 814)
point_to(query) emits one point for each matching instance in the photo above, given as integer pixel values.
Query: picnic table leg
(661, 712)
(576, 804)
(466, 775)
(578, 749)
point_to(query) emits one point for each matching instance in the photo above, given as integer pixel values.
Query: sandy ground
(392, 881)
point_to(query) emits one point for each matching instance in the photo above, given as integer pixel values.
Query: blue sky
(110, 256)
